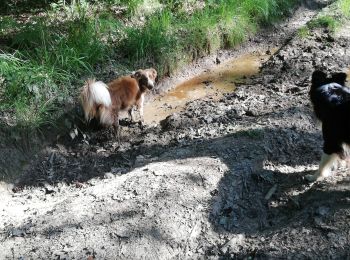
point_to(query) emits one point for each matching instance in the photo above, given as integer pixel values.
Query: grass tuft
(303, 32)
(324, 21)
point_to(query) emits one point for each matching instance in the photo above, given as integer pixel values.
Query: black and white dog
(331, 101)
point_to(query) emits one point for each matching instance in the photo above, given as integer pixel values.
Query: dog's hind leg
(325, 167)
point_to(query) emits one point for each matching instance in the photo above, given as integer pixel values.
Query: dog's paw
(142, 124)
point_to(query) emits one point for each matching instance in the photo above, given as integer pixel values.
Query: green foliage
(144, 42)
(30, 89)
(152, 44)
(345, 7)
(48, 60)
(34, 115)
(48, 54)
(7, 24)
(130, 5)
(303, 32)
(173, 5)
(325, 21)
(337, 13)
(170, 37)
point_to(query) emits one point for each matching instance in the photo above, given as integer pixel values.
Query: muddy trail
(213, 174)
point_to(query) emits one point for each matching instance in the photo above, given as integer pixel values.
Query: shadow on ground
(259, 160)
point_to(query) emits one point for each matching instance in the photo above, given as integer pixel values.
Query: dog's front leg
(131, 115)
(116, 127)
(140, 106)
(325, 167)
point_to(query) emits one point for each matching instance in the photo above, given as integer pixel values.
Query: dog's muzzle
(150, 84)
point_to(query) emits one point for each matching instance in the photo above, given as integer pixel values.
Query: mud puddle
(213, 83)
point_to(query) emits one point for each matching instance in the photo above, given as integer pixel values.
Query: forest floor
(223, 177)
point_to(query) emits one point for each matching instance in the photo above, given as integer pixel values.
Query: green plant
(7, 24)
(344, 6)
(49, 54)
(47, 60)
(173, 5)
(149, 44)
(303, 32)
(34, 115)
(326, 21)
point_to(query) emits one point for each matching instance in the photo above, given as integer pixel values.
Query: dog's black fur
(331, 101)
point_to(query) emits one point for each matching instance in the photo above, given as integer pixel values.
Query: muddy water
(213, 83)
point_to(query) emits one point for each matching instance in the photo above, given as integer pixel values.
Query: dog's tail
(94, 94)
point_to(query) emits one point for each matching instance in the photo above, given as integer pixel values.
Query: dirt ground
(222, 179)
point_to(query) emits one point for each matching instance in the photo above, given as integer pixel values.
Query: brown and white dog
(104, 102)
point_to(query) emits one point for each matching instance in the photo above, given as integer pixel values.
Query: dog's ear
(339, 78)
(136, 74)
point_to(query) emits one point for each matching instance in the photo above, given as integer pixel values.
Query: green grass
(45, 57)
(324, 21)
(168, 39)
(344, 6)
(303, 32)
(331, 19)
(44, 60)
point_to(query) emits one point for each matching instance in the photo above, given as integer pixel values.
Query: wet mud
(212, 83)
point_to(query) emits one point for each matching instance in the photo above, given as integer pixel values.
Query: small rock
(17, 232)
(208, 119)
(118, 170)
(140, 159)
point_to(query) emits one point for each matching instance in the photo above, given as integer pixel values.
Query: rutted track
(196, 185)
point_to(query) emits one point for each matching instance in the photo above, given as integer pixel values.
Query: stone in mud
(233, 245)
(16, 232)
(119, 170)
(109, 175)
(140, 160)
(175, 121)
(207, 119)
